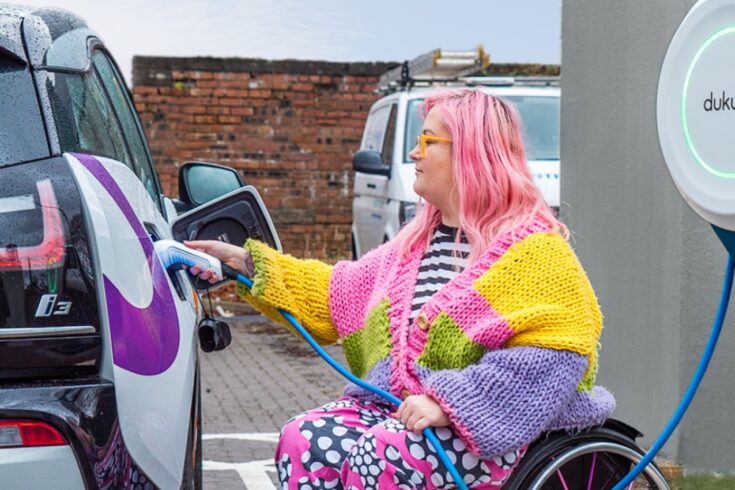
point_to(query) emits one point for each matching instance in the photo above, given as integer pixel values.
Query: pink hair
(496, 191)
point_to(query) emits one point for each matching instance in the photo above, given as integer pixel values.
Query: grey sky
(333, 30)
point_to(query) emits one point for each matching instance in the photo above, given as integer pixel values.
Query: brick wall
(289, 127)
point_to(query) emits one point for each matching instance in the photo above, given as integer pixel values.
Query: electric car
(99, 366)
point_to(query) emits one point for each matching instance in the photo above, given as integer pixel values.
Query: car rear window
(22, 134)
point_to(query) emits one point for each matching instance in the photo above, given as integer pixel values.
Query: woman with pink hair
(477, 315)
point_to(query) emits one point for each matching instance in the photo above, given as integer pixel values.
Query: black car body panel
(84, 412)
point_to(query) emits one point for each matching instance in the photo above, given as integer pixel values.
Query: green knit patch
(370, 344)
(261, 263)
(588, 380)
(447, 346)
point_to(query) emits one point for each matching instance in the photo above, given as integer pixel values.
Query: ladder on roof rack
(436, 65)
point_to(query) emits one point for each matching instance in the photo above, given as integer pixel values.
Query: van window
(390, 136)
(539, 117)
(372, 138)
(414, 122)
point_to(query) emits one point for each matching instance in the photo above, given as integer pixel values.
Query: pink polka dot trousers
(350, 444)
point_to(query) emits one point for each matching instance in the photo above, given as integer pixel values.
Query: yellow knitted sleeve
(300, 287)
(543, 293)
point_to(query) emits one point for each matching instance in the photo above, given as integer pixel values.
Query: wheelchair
(591, 459)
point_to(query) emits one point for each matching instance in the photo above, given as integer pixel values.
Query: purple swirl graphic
(144, 340)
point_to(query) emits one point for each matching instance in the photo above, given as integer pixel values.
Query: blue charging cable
(693, 384)
(428, 433)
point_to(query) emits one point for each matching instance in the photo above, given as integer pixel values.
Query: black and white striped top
(439, 265)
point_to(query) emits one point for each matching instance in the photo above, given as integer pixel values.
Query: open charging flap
(232, 218)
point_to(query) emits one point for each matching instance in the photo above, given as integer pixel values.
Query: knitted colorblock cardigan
(508, 347)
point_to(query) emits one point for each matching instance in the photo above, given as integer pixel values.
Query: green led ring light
(687, 136)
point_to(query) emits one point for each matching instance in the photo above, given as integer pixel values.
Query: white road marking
(254, 474)
(247, 436)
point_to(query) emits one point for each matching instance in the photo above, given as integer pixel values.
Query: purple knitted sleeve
(508, 398)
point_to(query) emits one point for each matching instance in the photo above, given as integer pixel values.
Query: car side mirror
(201, 182)
(370, 162)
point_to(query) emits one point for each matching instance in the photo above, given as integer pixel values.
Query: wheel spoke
(592, 471)
(561, 478)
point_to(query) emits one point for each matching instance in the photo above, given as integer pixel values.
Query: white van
(383, 192)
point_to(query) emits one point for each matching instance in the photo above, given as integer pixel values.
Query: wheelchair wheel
(595, 459)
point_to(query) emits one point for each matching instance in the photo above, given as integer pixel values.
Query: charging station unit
(695, 111)
(695, 114)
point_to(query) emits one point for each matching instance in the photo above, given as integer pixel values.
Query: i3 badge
(49, 306)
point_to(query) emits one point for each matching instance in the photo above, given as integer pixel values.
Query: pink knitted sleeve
(356, 286)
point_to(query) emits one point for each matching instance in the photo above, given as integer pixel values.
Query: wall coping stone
(156, 70)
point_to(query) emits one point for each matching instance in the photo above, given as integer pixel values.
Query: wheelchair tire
(595, 459)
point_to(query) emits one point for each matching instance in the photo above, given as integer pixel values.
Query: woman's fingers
(206, 275)
(421, 424)
(202, 245)
(399, 413)
(418, 412)
(412, 419)
(236, 257)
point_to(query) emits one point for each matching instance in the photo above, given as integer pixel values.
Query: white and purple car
(99, 366)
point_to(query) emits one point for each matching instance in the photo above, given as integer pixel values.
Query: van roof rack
(435, 66)
(508, 81)
(452, 69)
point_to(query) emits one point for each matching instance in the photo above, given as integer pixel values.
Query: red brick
(205, 119)
(195, 109)
(229, 92)
(230, 119)
(302, 87)
(242, 111)
(230, 102)
(139, 90)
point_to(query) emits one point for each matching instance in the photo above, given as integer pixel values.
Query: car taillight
(50, 252)
(28, 433)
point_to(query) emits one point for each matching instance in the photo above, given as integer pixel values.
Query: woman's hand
(418, 412)
(236, 257)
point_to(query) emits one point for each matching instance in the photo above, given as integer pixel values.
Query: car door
(148, 316)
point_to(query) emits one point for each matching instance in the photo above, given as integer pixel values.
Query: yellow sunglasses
(423, 138)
